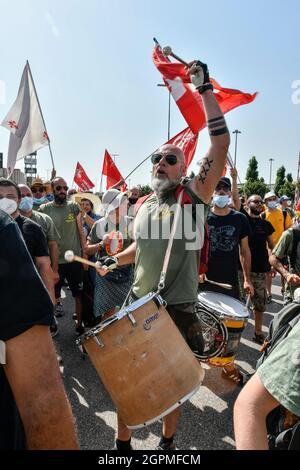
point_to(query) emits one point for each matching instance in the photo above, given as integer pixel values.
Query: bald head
(172, 149)
(25, 190)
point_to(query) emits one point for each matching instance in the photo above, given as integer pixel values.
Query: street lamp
(271, 160)
(115, 155)
(236, 132)
(169, 109)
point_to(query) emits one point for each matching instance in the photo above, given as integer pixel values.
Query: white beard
(162, 186)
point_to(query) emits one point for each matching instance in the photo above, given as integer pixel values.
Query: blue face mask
(272, 204)
(221, 201)
(40, 201)
(50, 197)
(26, 204)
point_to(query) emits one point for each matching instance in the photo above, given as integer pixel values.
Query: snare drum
(223, 320)
(143, 361)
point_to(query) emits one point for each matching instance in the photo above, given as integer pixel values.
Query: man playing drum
(148, 253)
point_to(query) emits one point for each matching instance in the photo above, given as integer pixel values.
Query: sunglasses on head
(37, 190)
(59, 188)
(170, 159)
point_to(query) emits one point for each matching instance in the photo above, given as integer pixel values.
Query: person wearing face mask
(276, 217)
(228, 240)
(260, 242)
(66, 217)
(38, 193)
(286, 206)
(10, 198)
(49, 229)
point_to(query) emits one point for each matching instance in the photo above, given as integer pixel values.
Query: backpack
(283, 427)
(284, 213)
(186, 199)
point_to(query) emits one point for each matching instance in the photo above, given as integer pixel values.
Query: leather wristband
(205, 87)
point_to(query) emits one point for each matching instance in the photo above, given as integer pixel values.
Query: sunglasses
(59, 188)
(256, 201)
(37, 190)
(170, 159)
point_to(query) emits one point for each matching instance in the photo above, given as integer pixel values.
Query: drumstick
(247, 302)
(220, 284)
(168, 51)
(70, 257)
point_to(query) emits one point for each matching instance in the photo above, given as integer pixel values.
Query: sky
(93, 71)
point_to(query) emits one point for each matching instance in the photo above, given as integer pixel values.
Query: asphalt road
(206, 421)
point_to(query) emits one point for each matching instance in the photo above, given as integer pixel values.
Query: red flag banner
(81, 179)
(187, 141)
(111, 172)
(188, 98)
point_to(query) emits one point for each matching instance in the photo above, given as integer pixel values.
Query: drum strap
(163, 273)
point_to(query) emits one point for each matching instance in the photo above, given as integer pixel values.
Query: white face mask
(8, 205)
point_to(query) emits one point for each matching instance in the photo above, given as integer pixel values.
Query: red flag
(81, 179)
(188, 98)
(111, 172)
(187, 141)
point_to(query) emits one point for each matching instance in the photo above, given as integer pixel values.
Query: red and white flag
(188, 98)
(81, 179)
(187, 141)
(25, 123)
(113, 176)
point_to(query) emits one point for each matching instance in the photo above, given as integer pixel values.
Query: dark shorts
(73, 273)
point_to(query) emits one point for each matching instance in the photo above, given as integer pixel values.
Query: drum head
(223, 304)
(214, 332)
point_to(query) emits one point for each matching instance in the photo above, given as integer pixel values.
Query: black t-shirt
(34, 237)
(225, 234)
(261, 229)
(24, 303)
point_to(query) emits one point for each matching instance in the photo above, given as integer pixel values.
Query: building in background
(17, 177)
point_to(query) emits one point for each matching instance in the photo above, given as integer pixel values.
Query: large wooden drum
(143, 361)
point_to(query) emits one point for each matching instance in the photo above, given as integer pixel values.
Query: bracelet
(205, 87)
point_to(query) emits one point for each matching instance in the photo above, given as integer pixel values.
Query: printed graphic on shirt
(222, 238)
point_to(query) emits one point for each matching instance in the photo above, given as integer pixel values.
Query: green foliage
(289, 178)
(255, 187)
(280, 180)
(145, 189)
(288, 189)
(252, 171)
(192, 175)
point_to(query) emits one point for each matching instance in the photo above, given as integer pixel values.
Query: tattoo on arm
(204, 169)
(277, 265)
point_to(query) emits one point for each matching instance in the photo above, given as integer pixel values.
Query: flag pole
(140, 164)
(38, 101)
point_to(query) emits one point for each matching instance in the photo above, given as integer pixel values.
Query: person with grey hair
(148, 253)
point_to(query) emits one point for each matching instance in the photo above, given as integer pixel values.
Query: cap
(224, 181)
(38, 182)
(112, 199)
(284, 198)
(270, 194)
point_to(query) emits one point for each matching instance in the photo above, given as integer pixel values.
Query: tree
(256, 187)
(289, 178)
(254, 184)
(288, 189)
(144, 190)
(280, 180)
(192, 175)
(252, 172)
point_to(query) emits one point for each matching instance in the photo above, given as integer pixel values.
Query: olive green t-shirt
(280, 373)
(152, 232)
(64, 218)
(283, 249)
(103, 226)
(47, 225)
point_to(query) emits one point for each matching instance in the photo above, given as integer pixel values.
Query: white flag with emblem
(25, 123)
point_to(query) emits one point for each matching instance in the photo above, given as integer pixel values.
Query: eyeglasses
(37, 190)
(256, 201)
(170, 159)
(59, 188)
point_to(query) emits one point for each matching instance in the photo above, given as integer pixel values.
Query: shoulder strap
(140, 202)
(284, 219)
(296, 240)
